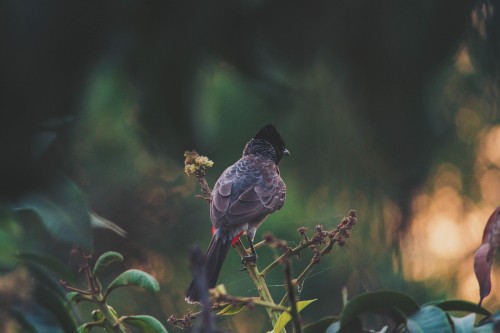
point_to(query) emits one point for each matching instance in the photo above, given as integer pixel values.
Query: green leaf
(487, 324)
(333, 328)
(148, 324)
(63, 210)
(48, 262)
(8, 245)
(85, 328)
(57, 306)
(25, 325)
(231, 309)
(74, 296)
(320, 325)
(107, 259)
(386, 300)
(77, 297)
(354, 326)
(137, 278)
(464, 324)
(44, 277)
(459, 305)
(487, 328)
(285, 316)
(429, 319)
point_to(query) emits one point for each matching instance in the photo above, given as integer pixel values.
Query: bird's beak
(286, 152)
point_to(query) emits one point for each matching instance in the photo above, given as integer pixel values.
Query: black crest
(270, 134)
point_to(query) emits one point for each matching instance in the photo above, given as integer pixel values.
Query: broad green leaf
(459, 305)
(8, 247)
(105, 260)
(231, 309)
(148, 324)
(429, 319)
(25, 325)
(46, 278)
(464, 324)
(333, 328)
(63, 210)
(137, 278)
(487, 328)
(320, 325)
(354, 326)
(485, 325)
(57, 306)
(51, 263)
(285, 316)
(378, 301)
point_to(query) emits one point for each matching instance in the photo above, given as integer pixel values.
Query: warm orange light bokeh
(447, 225)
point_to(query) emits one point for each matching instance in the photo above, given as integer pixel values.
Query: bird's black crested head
(267, 142)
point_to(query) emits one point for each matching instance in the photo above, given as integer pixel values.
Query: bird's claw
(251, 258)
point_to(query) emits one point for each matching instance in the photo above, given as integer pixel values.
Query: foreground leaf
(57, 306)
(63, 210)
(378, 302)
(483, 258)
(459, 305)
(148, 324)
(464, 324)
(429, 319)
(354, 326)
(486, 325)
(285, 316)
(320, 325)
(48, 262)
(105, 260)
(137, 278)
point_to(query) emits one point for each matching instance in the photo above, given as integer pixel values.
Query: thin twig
(303, 245)
(337, 236)
(225, 300)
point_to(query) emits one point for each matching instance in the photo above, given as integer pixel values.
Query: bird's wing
(261, 194)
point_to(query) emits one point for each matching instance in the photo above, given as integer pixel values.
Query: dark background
(389, 108)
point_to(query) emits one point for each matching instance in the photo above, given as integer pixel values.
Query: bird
(245, 194)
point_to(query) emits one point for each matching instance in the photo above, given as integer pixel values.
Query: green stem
(111, 317)
(259, 282)
(258, 301)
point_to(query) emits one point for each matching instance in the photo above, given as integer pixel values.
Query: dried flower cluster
(195, 164)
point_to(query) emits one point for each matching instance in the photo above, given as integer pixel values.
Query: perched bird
(243, 196)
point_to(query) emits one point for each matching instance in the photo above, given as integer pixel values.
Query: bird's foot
(250, 258)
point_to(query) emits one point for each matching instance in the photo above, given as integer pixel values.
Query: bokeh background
(388, 108)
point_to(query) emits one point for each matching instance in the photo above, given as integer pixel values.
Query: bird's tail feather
(216, 253)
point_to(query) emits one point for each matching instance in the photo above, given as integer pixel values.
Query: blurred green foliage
(369, 97)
